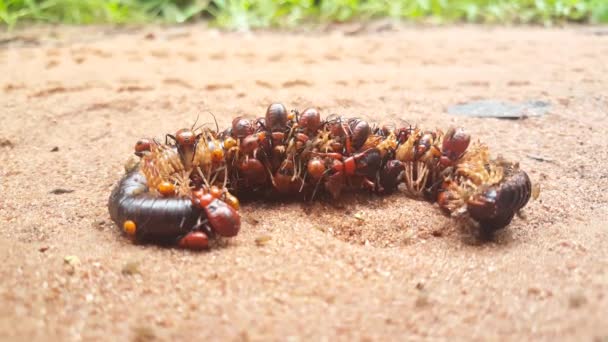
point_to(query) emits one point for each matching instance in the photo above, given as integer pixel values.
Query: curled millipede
(164, 199)
(158, 218)
(495, 207)
(184, 190)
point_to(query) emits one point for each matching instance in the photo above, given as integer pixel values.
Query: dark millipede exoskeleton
(495, 207)
(150, 208)
(182, 190)
(168, 219)
(158, 218)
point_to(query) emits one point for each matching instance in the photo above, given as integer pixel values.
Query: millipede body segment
(183, 190)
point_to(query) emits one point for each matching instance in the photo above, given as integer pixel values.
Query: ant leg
(167, 136)
(368, 184)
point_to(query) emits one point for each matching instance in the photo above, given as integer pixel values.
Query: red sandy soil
(404, 271)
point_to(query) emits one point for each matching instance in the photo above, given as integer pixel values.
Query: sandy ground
(73, 102)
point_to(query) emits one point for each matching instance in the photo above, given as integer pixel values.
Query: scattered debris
(577, 300)
(321, 229)
(535, 191)
(534, 291)
(263, 240)
(500, 109)
(437, 232)
(599, 31)
(6, 143)
(296, 83)
(61, 191)
(99, 224)
(264, 84)
(422, 301)
(133, 88)
(130, 268)
(21, 40)
(353, 29)
(9, 87)
(359, 216)
(518, 83)
(143, 334)
(55, 149)
(71, 261)
(252, 221)
(539, 158)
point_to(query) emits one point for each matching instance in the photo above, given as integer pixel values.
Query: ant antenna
(217, 127)
(207, 123)
(194, 124)
(259, 122)
(406, 123)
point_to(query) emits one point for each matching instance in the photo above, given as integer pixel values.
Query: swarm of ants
(183, 191)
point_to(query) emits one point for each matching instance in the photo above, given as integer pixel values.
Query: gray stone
(500, 109)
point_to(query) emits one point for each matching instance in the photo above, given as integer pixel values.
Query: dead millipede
(183, 190)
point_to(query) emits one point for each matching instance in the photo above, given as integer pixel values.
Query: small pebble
(71, 260)
(359, 216)
(263, 240)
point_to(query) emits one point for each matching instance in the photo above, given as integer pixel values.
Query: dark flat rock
(500, 109)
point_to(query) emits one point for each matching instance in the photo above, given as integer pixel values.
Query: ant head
(333, 119)
(261, 122)
(142, 146)
(309, 119)
(185, 137)
(276, 117)
(404, 133)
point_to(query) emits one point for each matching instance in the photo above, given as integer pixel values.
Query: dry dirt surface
(74, 101)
